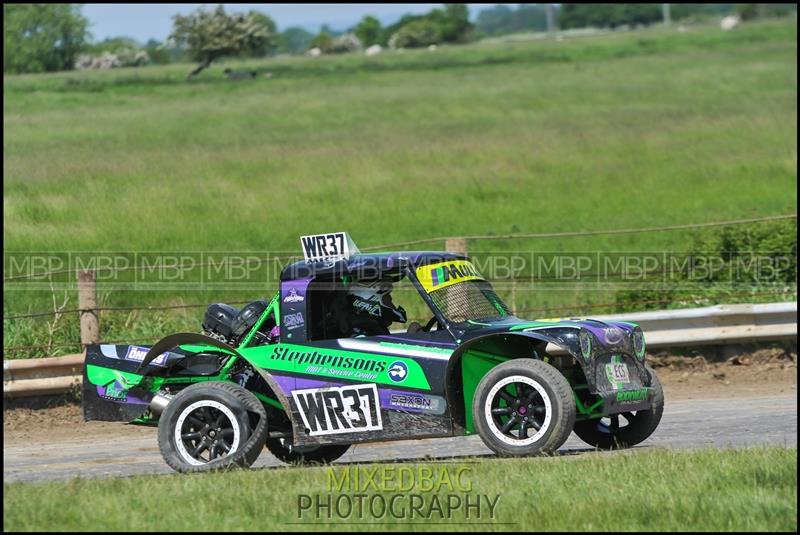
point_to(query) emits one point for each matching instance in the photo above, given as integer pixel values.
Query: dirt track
(752, 400)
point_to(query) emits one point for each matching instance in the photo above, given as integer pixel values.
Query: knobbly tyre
(317, 369)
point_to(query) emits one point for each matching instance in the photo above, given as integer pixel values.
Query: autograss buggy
(294, 374)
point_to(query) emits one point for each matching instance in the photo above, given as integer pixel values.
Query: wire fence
(112, 309)
(52, 313)
(573, 234)
(574, 307)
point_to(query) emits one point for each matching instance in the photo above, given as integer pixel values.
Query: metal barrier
(720, 324)
(39, 377)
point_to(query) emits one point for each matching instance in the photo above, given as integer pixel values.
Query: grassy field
(620, 130)
(752, 489)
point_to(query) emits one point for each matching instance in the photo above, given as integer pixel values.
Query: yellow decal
(437, 276)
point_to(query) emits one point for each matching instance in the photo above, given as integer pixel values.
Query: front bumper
(623, 383)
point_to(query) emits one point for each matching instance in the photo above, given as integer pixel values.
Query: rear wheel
(286, 451)
(523, 407)
(626, 429)
(212, 426)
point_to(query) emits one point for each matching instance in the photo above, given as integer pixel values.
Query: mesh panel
(469, 300)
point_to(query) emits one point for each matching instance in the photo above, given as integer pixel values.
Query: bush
(158, 53)
(735, 264)
(368, 30)
(126, 57)
(347, 42)
(323, 41)
(294, 40)
(419, 33)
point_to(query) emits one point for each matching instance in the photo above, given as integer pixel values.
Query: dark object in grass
(240, 75)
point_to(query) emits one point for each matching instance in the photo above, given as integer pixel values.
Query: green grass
(620, 130)
(753, 489)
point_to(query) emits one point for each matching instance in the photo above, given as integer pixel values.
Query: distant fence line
(592, 232)
(90, 325)
(148, 308)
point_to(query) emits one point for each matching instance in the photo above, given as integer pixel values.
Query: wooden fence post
(456, 245)
(87, 303)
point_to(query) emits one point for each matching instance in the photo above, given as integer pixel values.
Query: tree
(294, 40)
(747, 11)
(417, 34)
(496, 20)
(454, 23)
(42, 37)
(608, 15)
(449, 25)
(389, 31)
(323, 41)
(209, 35)
(330, 31)
(266, 22)
(368, 30)
(157, 52)
(501, 19)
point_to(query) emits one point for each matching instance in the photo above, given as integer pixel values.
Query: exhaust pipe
(159, 403)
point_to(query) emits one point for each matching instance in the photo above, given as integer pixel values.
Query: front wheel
(212, 426)
(287, 452)
(523, 407)
(626, 429)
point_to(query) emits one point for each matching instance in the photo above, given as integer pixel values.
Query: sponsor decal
(114, 391)
(617, 372)
(293, 296)
(437, 276)
(334, 361)
(137, 354)
(334, 410)
(338, 364)
(398, 372)
(293, 321)
(417, 402)
(632, 396)
(368, 307)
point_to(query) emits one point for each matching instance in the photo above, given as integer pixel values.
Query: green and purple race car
(319, 367)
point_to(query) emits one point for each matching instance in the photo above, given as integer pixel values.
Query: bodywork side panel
(398, 384)
(120, 381)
